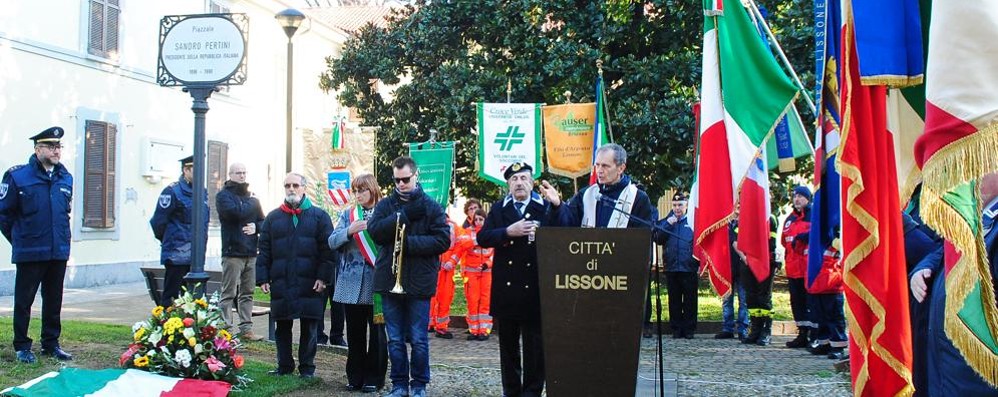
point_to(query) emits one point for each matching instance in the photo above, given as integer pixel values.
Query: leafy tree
(446, 55)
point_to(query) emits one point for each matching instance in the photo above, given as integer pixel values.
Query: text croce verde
(611, 282)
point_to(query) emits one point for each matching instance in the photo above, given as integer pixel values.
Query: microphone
(612, 204)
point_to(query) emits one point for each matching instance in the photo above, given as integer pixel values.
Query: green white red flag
(959, 146)
(744, 93)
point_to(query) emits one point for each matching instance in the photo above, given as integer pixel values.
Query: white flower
(155, 337)
(136, 326)
(165, 349)
(188, 333)
(151, 353)
(198, 348)
(183, 357)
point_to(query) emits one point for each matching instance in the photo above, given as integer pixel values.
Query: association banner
(508, 133)
(436, 168)
(568, 137)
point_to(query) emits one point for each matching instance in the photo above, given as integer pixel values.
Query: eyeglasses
(291, 185)
(358, 191)
(403, 179)
(51, 147)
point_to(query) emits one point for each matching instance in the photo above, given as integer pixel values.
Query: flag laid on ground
(338, 140)
(873, 260)
(600, 133)
(338, 187)
(960, 144)
(508, 133)
(753, 219)
(115, 382)
(756, 94)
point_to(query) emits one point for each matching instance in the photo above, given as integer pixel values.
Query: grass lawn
(709, 302)
(98, 346)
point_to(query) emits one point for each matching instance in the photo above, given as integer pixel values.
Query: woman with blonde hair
(367, 354)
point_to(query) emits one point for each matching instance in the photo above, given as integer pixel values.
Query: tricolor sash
(364, 241)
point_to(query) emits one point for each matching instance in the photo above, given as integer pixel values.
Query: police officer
(515, 301)
(171, 224)
(35, 201)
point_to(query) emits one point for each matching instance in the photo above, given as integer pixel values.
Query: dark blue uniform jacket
(34, 211)
(171, 223)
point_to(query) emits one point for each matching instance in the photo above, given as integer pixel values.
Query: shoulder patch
(165, 200)
(3, 190)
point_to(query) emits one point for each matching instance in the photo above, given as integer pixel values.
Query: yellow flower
(192, 341)
(173, 324)
(139, 334)
(201, 302)
(141, 361)
(225, 334)
(157, 311)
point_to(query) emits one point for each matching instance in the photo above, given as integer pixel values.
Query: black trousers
(526, 380)
(172, 281)
(306, 346)
(799, 303)
(682, 301)
(49, 275)
(367, 347)
(758, 294)
(337, 319)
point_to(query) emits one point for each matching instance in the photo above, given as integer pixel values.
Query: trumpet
(397, 254)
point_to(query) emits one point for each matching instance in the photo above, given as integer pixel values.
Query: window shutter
(111, 45)
(218, 153)
(96, 46)
(93, 183)
(110, 172)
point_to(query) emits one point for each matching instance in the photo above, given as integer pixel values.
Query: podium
(592, 289)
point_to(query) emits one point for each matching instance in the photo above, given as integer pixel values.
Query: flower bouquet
(187, 340)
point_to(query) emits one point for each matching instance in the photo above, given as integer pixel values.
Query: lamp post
(290, 19)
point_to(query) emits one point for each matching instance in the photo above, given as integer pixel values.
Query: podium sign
(592, 287)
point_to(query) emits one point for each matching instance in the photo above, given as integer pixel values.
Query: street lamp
(290, 19)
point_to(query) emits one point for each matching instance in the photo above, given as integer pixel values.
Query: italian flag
(337, 140)
(753, 222)
(600, 133)
(364, 241)
(743, 95)
(115, 382)
(960, 145)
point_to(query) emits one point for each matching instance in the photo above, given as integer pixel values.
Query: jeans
(406, 319)
(728, 312)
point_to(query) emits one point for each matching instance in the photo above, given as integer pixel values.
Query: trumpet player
(411, 231)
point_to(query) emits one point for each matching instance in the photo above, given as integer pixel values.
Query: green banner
(436, 168)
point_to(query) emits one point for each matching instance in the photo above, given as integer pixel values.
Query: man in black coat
(516, 303)
(411, 264)
(240, 215)
(295, 265)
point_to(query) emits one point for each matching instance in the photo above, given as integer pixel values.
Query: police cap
(50, 135)
(187, 161)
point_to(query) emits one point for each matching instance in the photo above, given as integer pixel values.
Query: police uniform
(515, 300)
(34, 216)
(171, 224)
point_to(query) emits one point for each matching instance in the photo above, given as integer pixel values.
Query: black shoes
(338, 341)
(724, 335)
(444, 335)
(821, 350)
(306, 376)
(350, 387)
(483, 337)
(26, 356)
(369, 389)
(279, 372)
(57, 353)
(799, 342)
(838, 353)
(646, 331)
(689, 335)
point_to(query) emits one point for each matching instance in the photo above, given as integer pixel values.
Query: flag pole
(783, 57)
(602, 94)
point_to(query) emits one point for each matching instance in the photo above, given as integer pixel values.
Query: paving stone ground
(699, 367)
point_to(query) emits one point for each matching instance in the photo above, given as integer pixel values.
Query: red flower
(188, 322)
(237, 360)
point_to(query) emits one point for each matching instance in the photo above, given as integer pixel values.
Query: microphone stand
(660, 354)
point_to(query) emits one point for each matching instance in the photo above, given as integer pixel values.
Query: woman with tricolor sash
(367, 354)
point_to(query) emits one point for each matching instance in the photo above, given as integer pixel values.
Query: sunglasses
(291, 185)
(358, 191)
(403, 180)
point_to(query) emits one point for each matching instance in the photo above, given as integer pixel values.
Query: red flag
(753, 219)
(872, 236)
